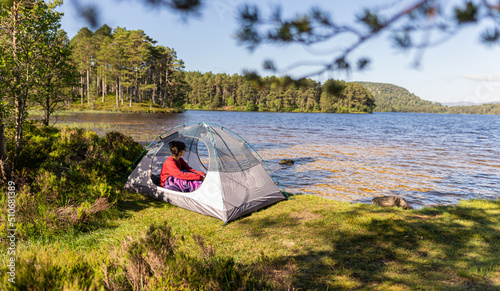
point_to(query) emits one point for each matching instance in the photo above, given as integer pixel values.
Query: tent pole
(218, 169)
(184, 124)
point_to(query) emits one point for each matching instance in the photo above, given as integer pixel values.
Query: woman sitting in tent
(176, 174)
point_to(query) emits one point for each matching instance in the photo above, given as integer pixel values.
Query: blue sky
(461, 69)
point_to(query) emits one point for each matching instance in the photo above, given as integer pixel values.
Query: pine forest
(133, 67)
(136, 70)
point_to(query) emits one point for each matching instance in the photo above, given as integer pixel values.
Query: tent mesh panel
(225, 153)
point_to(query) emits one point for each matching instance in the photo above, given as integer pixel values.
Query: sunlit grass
(89, 126)
(109, 105)
(323, 243)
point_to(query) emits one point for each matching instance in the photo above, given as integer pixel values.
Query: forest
(392, 98)
(42, 69)
(210, 91)
(128, 63)
(131, 65)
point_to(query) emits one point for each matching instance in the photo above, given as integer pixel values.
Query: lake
(428, 159)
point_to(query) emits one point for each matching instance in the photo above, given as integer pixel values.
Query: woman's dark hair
(176, 147)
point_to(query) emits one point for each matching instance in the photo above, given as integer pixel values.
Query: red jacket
(175, 168)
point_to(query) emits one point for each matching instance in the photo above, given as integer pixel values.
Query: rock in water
(287, 162)
(388, 201)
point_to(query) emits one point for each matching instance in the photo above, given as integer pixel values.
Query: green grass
(89, 126)
(307, 243)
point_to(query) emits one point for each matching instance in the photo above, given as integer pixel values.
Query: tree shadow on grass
(134, 202)
(255, 227)
(128, 204)
(444, 248)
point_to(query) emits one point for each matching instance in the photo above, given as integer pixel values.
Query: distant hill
(467, 103)
(392, 98)
(490, 108)
(459, 103)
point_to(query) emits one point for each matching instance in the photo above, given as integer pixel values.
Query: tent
(236, 182)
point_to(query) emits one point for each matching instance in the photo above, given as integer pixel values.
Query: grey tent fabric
(235, 184)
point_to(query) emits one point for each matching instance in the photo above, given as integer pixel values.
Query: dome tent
(235, 184)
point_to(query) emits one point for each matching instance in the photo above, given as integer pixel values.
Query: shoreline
(178, 111)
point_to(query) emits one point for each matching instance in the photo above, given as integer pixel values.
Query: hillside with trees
(392, 98)
(490, 108)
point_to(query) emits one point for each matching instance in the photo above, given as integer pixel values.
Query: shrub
(155, 262)
(43, 272)
(250, 106)
(66, 177)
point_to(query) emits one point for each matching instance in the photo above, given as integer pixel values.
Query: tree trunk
(5, 170)
(117, 93)
(136, 92)
(98, 85)
(129, 92)
(166, 86)
(5, 173)
(19, 120)
(81, 88)
(121, 92)
(160, 91)
(88, 87)
(141, 94)
(103, 89)
(18, 94)
(47, 111)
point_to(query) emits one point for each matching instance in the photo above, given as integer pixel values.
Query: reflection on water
(426, 158)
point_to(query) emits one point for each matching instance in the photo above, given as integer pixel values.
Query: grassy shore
(246, 109)
(109, 105)
(306, 243)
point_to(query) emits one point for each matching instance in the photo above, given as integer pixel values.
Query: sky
(459, 70)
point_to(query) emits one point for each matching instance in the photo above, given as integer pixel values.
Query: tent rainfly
(235, 184)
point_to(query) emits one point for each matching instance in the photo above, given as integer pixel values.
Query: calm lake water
(428, 159)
